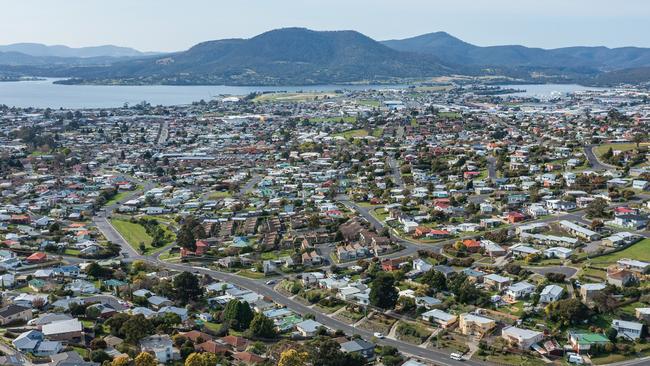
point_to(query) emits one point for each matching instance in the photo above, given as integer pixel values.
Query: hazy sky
(166, 25)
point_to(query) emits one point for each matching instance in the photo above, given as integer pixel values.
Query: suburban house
(627, 329)
(579, 231)
(64, 330)
(364, 348)
(472, 324)
(588, 290)
(496, 281)
(308, 328)
(582, 341)
(161, 346)
(440, 317)
(520, 290)
(551, 293)
(15, 313)
(522, 338)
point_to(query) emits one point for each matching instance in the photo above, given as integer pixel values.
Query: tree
(291, 357)
(383, 293)
(201, 359)
(262, 327)
(98, 343)
(325, 351)
(122, 360)
(145, 359)
(136, 328)
(639, 138)
(99, 356)
(612, 334)
(436, 280)
(568, 311)
(187, 287)
(597, 208)
(239, 313)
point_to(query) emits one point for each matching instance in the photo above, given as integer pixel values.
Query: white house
(523, 338)
(440, 317)
(551, 293)
(161, 346)
(308, 328)
(520, 290)
(558, 252)
(627, 329)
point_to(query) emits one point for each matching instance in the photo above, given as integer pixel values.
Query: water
(545, 91)
(43, 93)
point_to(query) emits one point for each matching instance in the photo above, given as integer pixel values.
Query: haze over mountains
(298, 56)
(455, 51)
(38, 49)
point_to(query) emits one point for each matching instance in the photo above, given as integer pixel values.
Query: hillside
(453, 50)
(41, 50)
(279, 57)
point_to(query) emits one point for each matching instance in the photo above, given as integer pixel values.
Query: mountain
(41, 50)
(455, 51)
(22, 59)
(299, 56)
(279, 57)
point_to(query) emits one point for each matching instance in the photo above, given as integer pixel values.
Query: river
(44, 93)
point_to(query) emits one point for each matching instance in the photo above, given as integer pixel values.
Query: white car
(456, 356)
(271, 282)
(378, 335)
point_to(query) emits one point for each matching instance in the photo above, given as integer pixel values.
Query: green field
(450, 115)
(219, 194)
(601, 149)
(292, 97)
(377, 132)
(353, 133)
(369, 102)
(134, 234)
(117, 198)
(346, 119)
(639, 251)
(276, 254)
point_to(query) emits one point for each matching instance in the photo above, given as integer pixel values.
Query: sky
(172, 25)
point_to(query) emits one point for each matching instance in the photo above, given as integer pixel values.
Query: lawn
(353, 133)
(215, 327)
(345, 119)
(219, 194)
(412, 332)
(72, 252)
(117, 198)
(377, 132)
(276, 254)
(250, 274)
(513, 359)
(450, 115)
(134, 234)
(292, 97)
(639, 251)
(348, 316)
(601, 149)
(369, 102)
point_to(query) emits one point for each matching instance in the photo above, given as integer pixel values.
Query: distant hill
(22, 59)
(635, 75)
(453, 50)
(299, 56)
(279, 57)
(41, 50)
